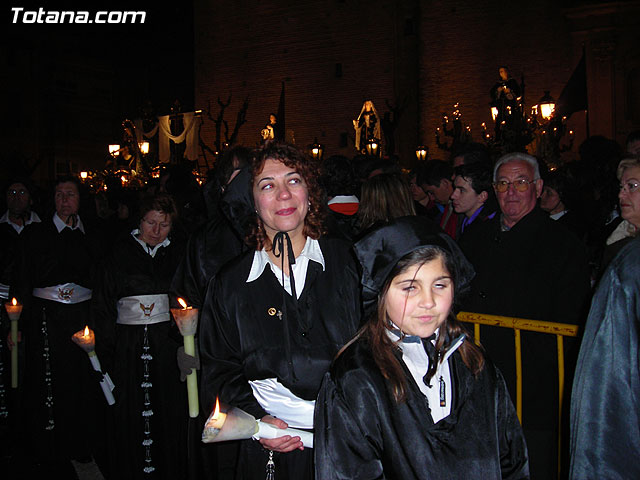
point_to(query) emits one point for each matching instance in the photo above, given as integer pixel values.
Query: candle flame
(86, 331)
(14, 302)
(216, 412)
(183, 303)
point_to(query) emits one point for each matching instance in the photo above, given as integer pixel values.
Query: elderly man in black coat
(528, 266)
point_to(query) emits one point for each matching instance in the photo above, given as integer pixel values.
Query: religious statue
(271, 131)
(505, 96)
(367, 126)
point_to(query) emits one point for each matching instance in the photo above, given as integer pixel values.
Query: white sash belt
(143, 309)
(280, 402)
(65, 293)
(4, 291)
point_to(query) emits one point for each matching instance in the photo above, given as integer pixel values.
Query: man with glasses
(528, 266)
(18, 216)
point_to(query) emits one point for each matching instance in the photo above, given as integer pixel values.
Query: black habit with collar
(131, 271)
(242, 337)
(362, 433)
(50, 258)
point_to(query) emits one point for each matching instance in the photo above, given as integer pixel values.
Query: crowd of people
(328, 295)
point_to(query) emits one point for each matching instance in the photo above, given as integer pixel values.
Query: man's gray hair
(517, 156)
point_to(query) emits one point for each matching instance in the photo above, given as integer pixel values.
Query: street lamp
(114, 150)
(317, 150)
(373, 147)
(422, 153)
(547, 106)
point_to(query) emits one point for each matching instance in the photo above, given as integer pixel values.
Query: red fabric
(345, 208)
(449, 221)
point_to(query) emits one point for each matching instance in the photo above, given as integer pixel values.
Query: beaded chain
(48, 402)
(147, 412)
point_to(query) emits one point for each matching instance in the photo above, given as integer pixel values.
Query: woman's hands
(283, 444)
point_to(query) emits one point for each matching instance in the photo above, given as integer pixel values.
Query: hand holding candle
(86, 340)
(14, 309)
(236, 424)
(187, 320)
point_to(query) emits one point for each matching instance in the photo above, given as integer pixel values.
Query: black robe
(362, 433)
(130, 271)
(241, 341)
(54, 409)
(605, 417)
(537, 270)
(215, 243)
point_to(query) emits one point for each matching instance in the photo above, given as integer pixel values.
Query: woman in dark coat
(137, 344)
(410, 397)
(275, 317)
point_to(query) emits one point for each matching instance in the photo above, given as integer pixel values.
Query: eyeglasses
(629, 187)
(521, 185)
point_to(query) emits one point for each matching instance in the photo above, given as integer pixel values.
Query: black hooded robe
(362, 433)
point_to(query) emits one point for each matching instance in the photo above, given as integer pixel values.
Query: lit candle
(86, 340)
(218, 418)
(236, 424)
(14, 309)
(187, 320)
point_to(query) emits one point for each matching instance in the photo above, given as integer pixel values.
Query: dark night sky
(154, 60)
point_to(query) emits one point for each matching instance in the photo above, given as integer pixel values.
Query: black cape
(216, 242)
(362, 433)
(605, 412)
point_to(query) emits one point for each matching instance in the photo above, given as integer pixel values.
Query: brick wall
(249, 48)
(464, 42)
(431, 54)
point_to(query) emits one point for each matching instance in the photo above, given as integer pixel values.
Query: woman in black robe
(53, 279)
(267, 334)
(409, 397)
(137, 345)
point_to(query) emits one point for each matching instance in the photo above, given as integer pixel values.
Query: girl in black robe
(148, 431)
(409, 397)
(263, 346)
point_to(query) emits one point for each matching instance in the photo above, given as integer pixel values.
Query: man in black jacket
(528, 266)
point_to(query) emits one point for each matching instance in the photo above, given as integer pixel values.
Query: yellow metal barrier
(517, 324)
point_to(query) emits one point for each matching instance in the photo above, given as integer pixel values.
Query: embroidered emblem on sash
(65, 294)
(147, 309)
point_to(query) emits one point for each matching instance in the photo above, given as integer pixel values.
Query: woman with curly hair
(275, 317)
(411, 397)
